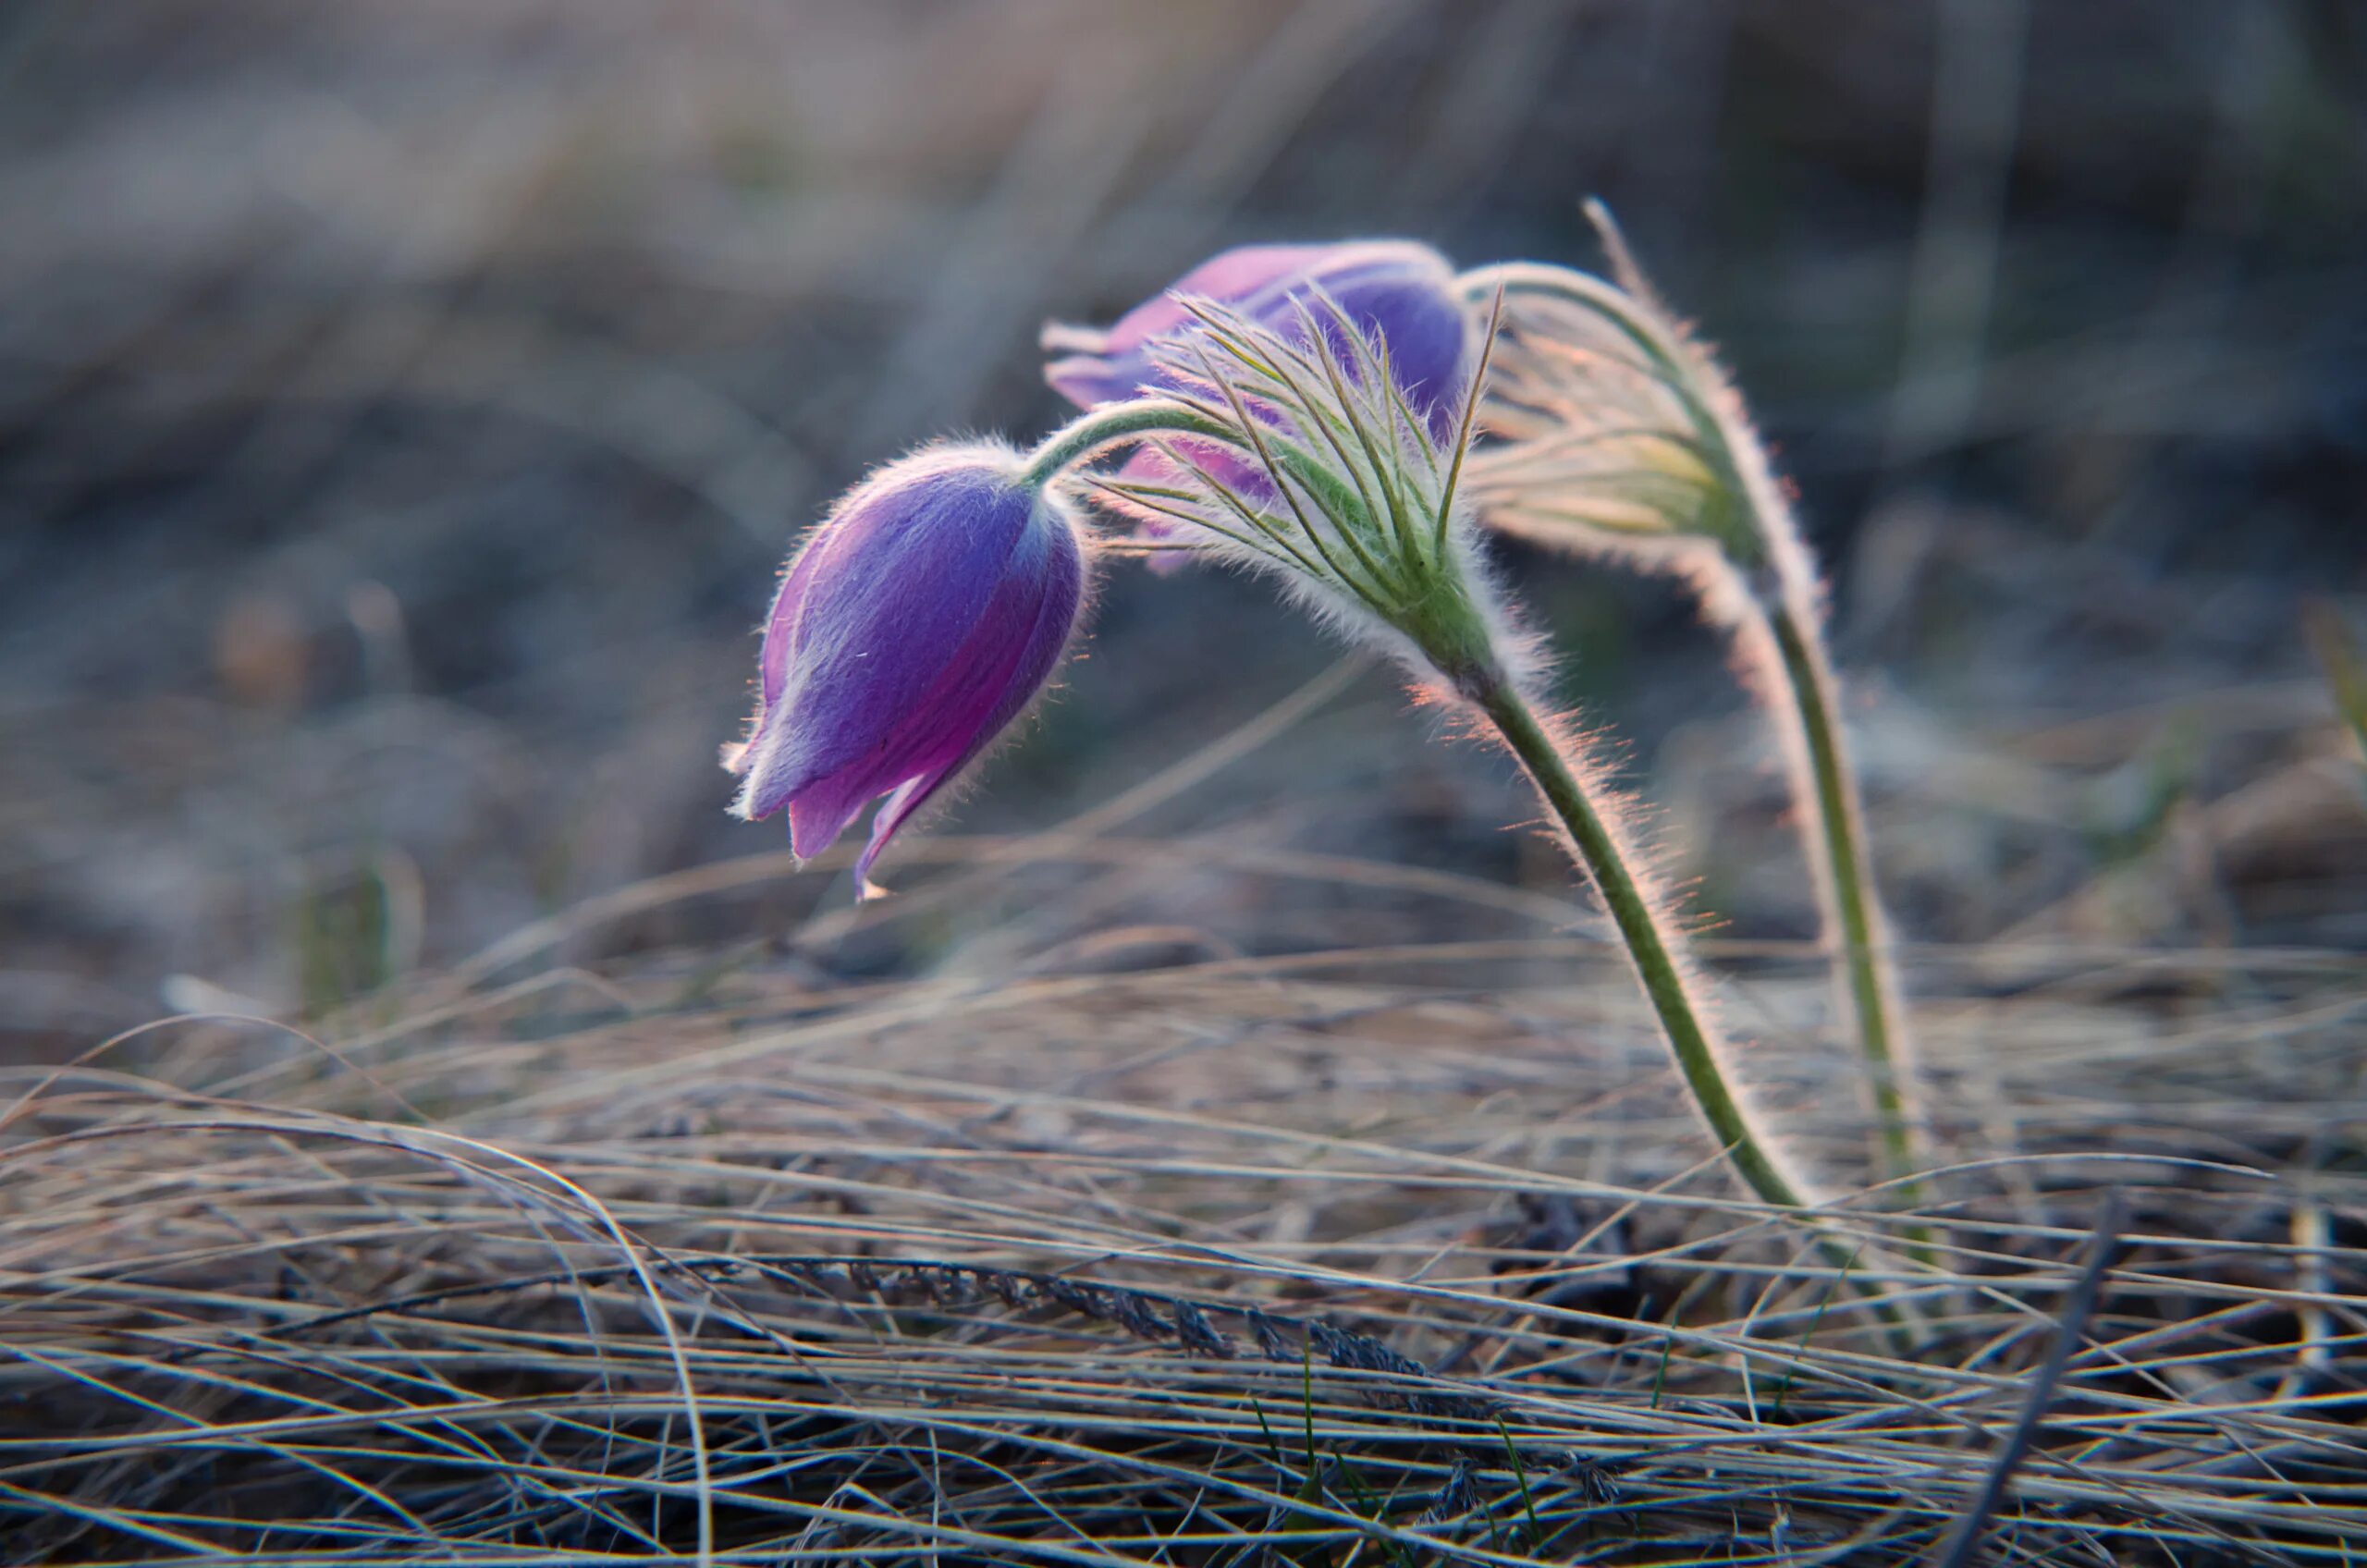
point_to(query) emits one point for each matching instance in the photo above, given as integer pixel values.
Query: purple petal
(1030, 665)
(879, 598)
(971, 696)
(1091, 380)
(1400, 290)
(1239, 277)
(919, 620)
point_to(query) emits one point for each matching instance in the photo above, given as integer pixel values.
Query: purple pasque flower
(1396, 291)
(913, 627)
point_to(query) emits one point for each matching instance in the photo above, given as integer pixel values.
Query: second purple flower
(1397, 293)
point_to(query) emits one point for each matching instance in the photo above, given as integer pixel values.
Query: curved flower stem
(1116, 424)
(1644, 929)
(1840, 823)
(1655, 949)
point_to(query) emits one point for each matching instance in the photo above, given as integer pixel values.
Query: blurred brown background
(404, 408)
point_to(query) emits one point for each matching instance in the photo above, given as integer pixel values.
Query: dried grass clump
(1391, 1256)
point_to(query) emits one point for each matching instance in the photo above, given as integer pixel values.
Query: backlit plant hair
(1611, 433)
(1362, 514)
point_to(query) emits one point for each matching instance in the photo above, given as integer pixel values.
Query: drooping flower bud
(1612, 431)
(1399, 294)
(916, 623)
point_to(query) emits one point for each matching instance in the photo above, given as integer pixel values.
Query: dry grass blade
(1965, 1539)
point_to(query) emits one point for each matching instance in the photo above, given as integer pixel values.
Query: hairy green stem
(1654, 948)
(1643, 928)
(1841, 826)
(1115, 424)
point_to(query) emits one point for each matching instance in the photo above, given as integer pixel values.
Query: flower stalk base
(1639, 919)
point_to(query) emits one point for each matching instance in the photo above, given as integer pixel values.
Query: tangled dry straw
(1388, 1257)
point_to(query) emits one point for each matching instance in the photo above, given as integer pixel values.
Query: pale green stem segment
(1841, 821)
(1650, 948)
(1116, 424)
